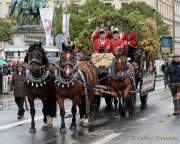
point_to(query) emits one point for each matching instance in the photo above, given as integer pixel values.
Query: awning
(16, 48)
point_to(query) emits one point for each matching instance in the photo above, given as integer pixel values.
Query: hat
(105, 26)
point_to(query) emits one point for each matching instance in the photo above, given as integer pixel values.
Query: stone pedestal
(25, 35)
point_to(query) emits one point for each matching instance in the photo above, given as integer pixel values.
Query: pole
(66, 21)
(174, 24)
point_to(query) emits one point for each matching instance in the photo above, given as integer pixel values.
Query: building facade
(177, 25)
(4, 8)
(169, 9)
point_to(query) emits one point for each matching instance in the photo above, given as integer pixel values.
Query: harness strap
(85, 91)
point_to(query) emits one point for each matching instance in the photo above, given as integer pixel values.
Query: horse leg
(44, 110)
(83, 115)
(127, 97)
(115, 103)
(46, 117)
(32, 112)
(82, 109)
(120, 105)
(62, 113)
(51, 109)
(73, 124)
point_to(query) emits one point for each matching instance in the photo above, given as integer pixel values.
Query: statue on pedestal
(27, 10)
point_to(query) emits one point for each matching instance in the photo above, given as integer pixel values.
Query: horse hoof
(143, 106)
(84, 123)
(44, 128)
(63, 130)
(32, 130)
(73, 127)
(49, 125)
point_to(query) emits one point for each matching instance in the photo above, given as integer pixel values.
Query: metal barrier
(6, 83)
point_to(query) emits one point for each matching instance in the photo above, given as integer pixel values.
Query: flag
(46, 18)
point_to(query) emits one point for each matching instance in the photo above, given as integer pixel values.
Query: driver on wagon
(102, 44)
(116, 43)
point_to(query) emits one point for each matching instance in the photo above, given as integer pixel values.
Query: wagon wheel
(143, 99)
(97, 101)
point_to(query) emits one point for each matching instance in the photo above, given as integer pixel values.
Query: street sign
(59, 39)
(166, 43)
(29, 39)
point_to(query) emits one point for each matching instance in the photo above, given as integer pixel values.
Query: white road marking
(107, 138)
(158, 88)
(18, 123)
(7, 126)
(142, 120)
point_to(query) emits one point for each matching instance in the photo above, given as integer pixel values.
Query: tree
(80, 15)
(5, 32)
(148, 12)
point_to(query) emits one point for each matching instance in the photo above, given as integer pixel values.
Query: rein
(40, 67)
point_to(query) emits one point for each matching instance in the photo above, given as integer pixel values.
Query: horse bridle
(34, 60)
(62, 81)
(33, 81)
(123, 73)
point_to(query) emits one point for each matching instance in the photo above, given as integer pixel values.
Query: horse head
(120, 65)
(36, 57)
(67, 60)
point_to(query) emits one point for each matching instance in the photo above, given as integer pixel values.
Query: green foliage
(5, 30)
(57, 23)
(146, 11)
(80, 16)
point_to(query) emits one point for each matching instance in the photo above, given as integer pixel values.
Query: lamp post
(66, 35)
(174, 24)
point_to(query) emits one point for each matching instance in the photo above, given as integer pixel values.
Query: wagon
(144, 80)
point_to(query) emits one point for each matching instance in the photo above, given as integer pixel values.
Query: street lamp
(174, 30)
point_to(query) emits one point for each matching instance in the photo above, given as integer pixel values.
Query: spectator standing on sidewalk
(1, 82)
(173, 73)
(164, 68)
(17, 85)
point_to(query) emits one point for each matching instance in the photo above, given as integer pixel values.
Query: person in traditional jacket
(17, 86)
(95, 34)
(164, 68)
(173, 73)
(102, 44)
(132, 45)
(116, 42)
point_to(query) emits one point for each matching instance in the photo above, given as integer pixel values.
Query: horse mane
(69, 48)
(37, 46)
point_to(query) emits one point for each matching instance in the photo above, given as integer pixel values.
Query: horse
(120, 81)
(40, 84)
(75, 80)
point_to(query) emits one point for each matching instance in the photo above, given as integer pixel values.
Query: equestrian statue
(25, 9)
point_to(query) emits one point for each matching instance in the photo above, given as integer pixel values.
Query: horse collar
(64, 82)
(32, 81)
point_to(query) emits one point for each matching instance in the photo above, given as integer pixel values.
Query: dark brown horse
(40, 84)
(75, 80)
(120, 82)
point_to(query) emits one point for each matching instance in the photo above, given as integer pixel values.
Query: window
(107, 4)
(10, 54)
